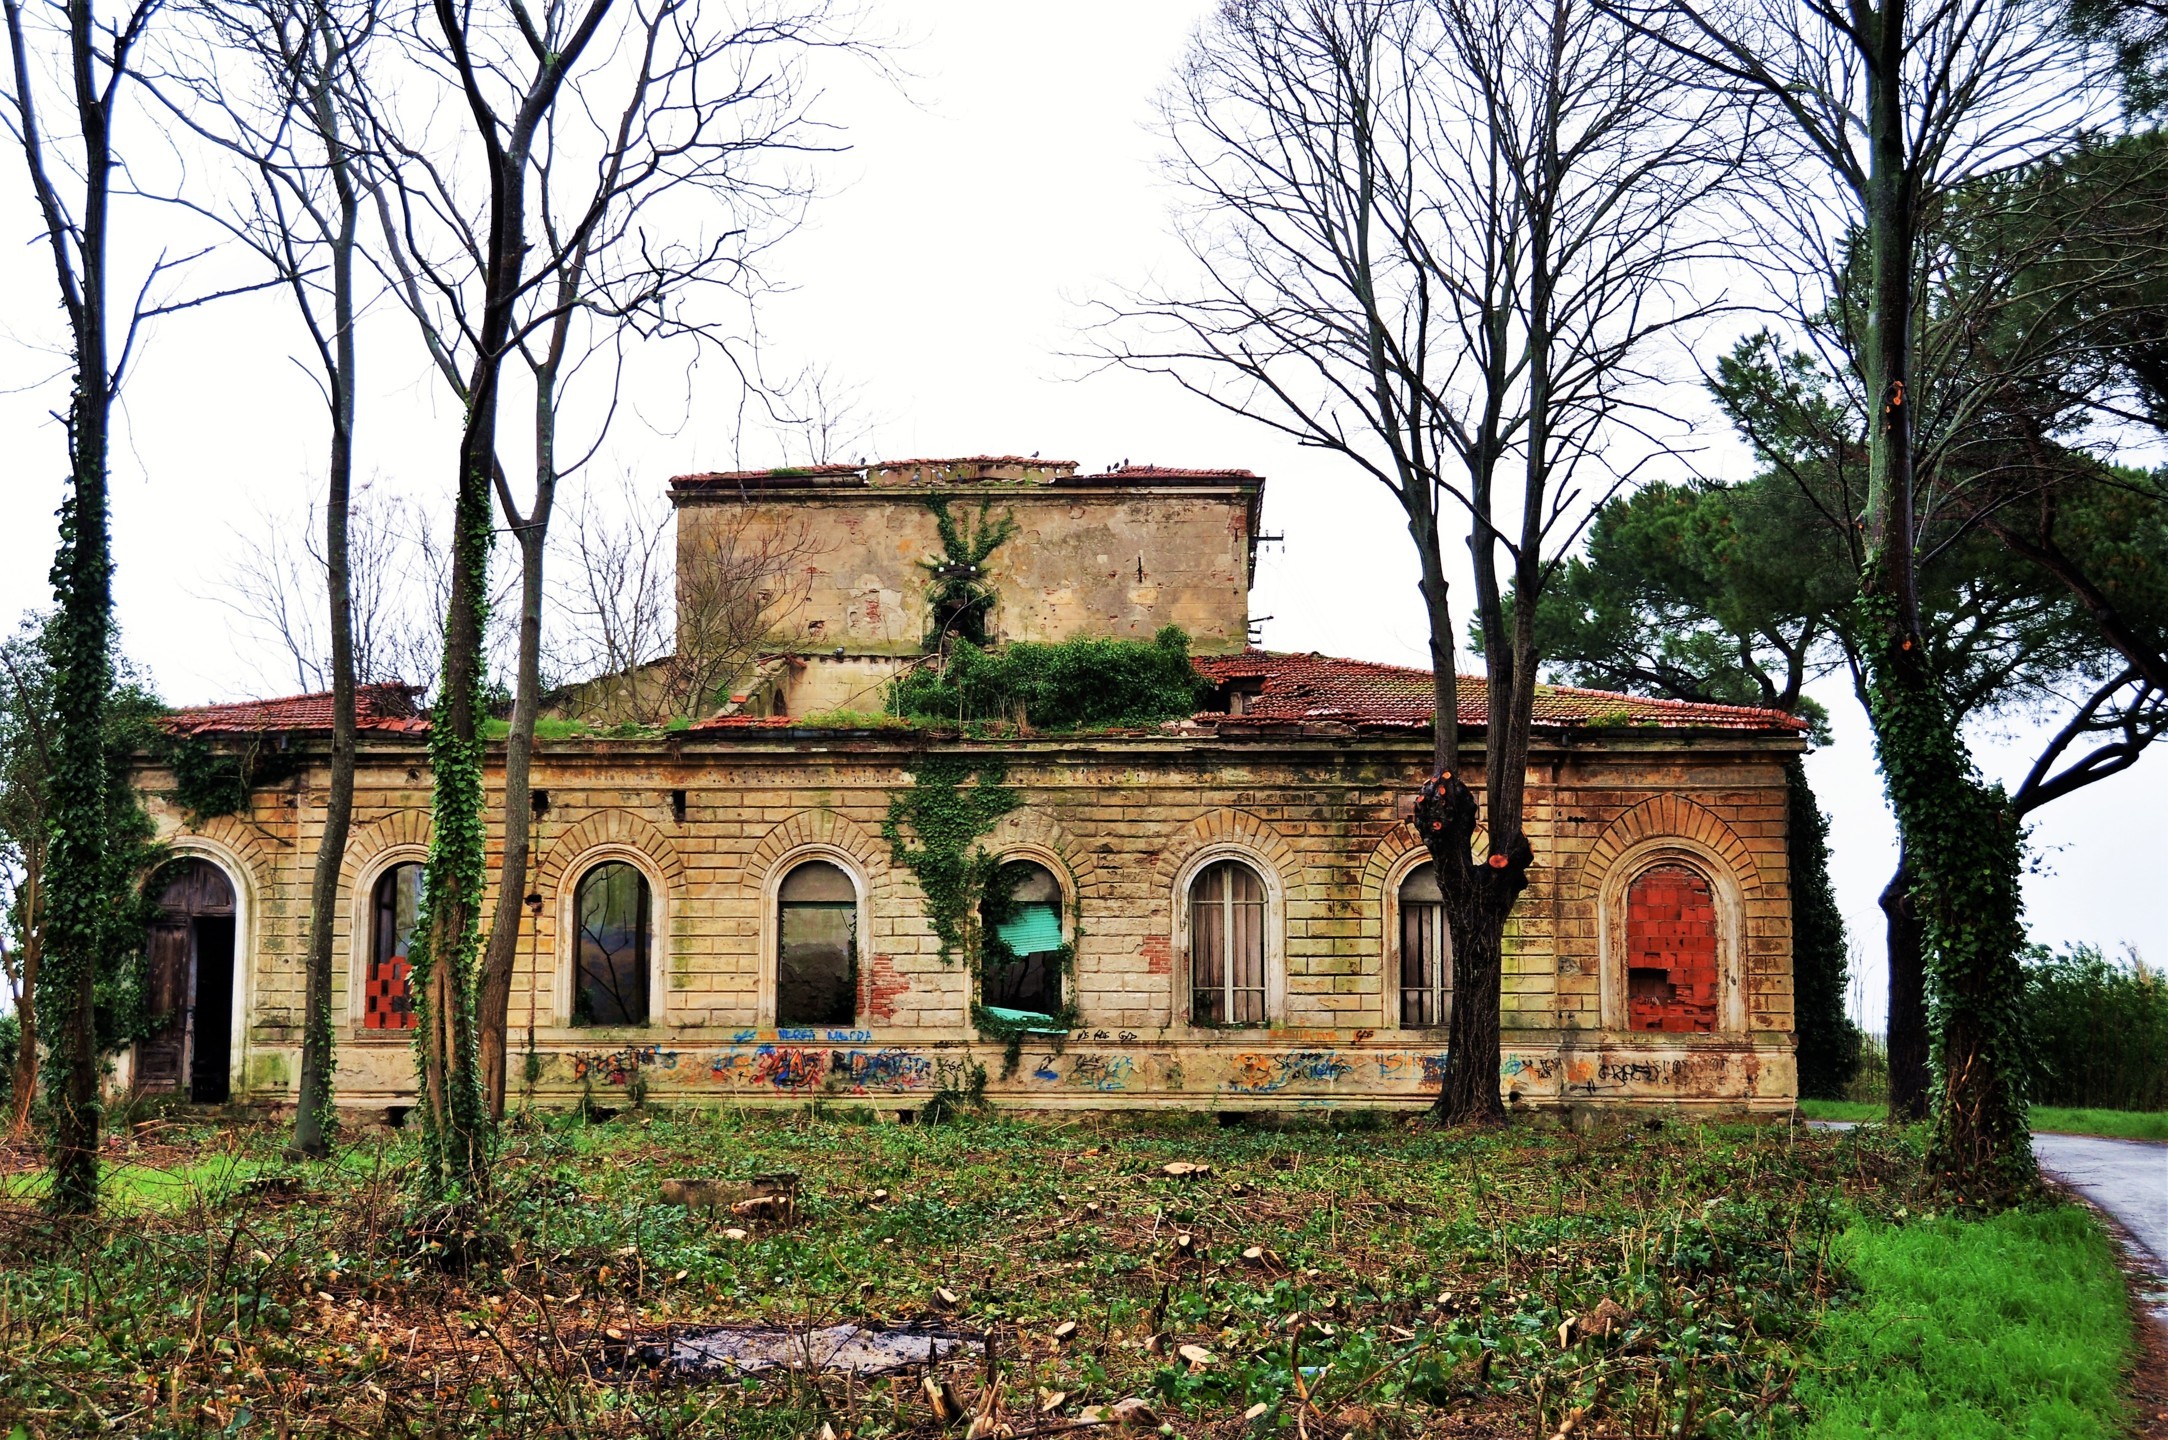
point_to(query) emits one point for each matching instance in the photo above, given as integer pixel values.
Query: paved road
(2126, 1178)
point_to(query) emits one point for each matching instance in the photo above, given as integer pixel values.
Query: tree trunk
(1909, 1082)
(1478, 899)
(23, 1082)
(313, 1120)
(454, 1113)
(77, 899)
(1961, 840)
(504, 929)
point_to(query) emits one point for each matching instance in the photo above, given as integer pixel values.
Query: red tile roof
(387, 706)
(1288, 689)
(1299, 687)
(1162, 475)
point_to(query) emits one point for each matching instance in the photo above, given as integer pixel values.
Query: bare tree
(278, 86)
(602, 230)
(397, 581)
(1438, 238)
(665, 632)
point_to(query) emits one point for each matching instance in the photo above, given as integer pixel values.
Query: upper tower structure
(1117, 554)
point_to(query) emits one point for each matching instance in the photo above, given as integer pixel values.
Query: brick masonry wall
(1124, 821)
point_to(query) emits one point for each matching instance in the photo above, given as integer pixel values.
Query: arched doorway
(190, 986)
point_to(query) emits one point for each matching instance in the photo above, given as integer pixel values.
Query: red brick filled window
(387, 996)
(1671, 952)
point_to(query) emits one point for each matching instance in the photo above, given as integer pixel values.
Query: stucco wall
(1323, 819)
(1119, 562)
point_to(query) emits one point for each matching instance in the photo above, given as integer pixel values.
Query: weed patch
(2010, 1326)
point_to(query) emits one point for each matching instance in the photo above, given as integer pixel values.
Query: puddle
(727, 1350)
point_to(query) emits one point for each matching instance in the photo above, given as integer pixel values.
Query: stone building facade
(1234, 908)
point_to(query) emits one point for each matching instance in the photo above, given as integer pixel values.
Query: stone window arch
(815, 924)
(1672, 921)
(386, 906)
(1230, 912)
(613, 911)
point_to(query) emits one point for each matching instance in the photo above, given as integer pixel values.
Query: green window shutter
(1031, 929)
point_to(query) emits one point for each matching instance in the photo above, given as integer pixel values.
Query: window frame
(1275, 956)
(361, 939)
(1065, 915)
(1391, 1015)
(771, 927)
(566, 942)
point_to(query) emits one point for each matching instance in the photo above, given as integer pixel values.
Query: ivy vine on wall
(933, 829)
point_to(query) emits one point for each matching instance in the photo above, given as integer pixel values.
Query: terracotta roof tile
(1297, 687)
(1160, 474)
(376, 707)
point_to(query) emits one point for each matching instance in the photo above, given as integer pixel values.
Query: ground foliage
(1406, 1280)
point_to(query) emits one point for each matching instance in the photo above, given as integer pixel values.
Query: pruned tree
(627, 153)
(657, 632)
(1441, 239)
(1887, 110)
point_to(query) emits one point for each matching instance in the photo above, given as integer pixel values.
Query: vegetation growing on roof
(1072, 684)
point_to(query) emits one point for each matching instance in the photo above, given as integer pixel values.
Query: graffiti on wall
(617, 1067)
(1263, 1074)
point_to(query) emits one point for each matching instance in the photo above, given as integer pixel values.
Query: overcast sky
(945, 274)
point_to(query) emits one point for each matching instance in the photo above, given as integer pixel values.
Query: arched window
(610, 984)
(387, 991)
(1671, 952)
(1227, 945)
(1426, 953)
(1023, 970)
(816, 963)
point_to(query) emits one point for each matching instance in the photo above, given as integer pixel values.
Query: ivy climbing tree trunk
(80, 899)
(1961, 836)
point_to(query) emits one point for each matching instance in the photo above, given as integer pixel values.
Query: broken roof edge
(379, 705)
(1061, 474)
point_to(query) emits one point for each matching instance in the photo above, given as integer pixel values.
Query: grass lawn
(2115, 1124)
(1350, 1276)
(1974, 1330)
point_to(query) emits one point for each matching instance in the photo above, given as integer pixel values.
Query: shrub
(1829, 1043)
(1064, 686)
(2099, 1030)
(11, 1040)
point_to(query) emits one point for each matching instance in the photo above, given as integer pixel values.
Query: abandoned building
(1225, 910)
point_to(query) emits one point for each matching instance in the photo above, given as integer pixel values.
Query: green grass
(2014, 1326)
(2114, 1124)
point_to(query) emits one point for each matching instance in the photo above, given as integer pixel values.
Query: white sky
(945, 273)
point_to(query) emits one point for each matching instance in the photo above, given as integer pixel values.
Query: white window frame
(1275, 935)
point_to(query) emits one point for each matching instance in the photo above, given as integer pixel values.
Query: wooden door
(161, 1057)
(189, 891)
